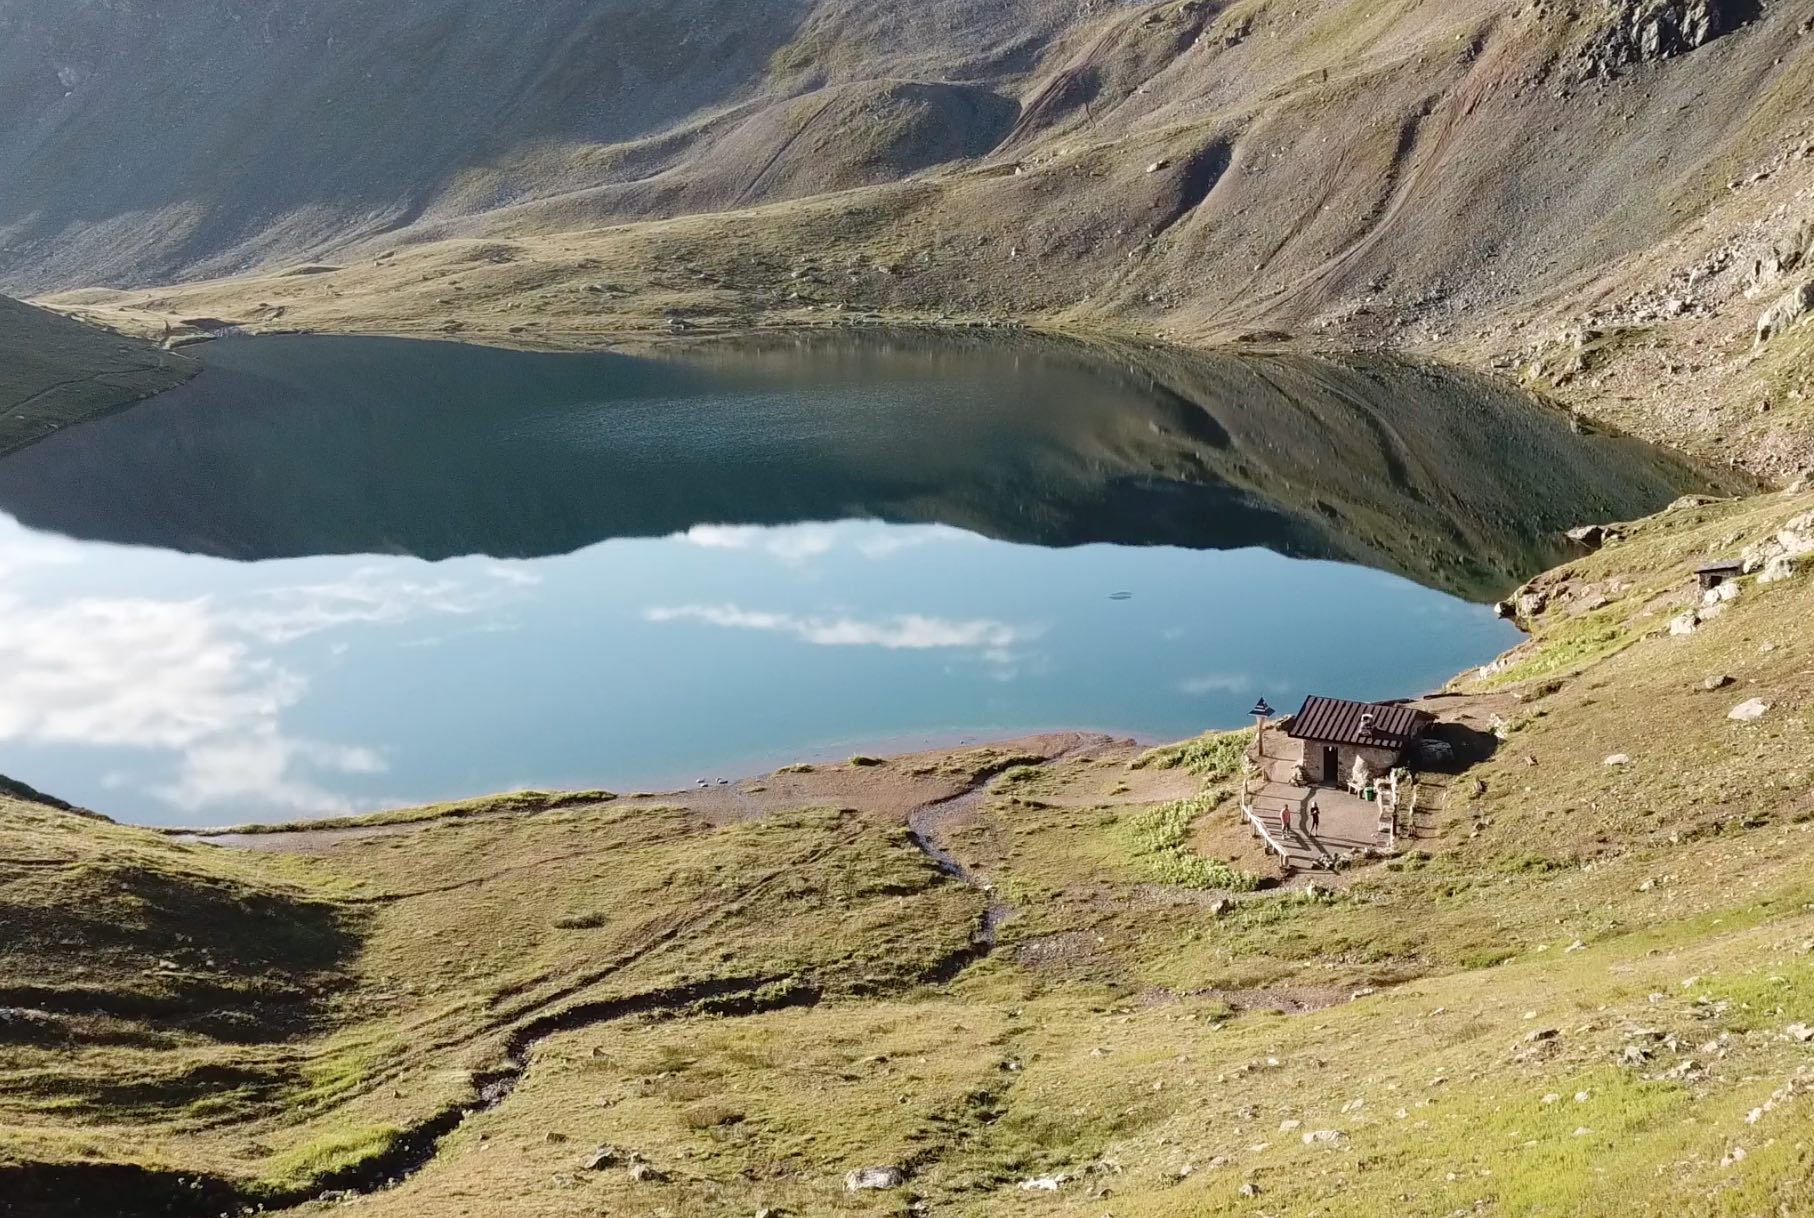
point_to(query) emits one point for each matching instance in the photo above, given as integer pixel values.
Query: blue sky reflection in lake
(175, 688)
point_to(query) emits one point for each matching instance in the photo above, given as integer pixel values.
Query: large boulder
(1749, 711)
(1434, 754)
(1795, 540)
(1778, 569)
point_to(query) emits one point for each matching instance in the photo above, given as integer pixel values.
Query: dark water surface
(333, 574)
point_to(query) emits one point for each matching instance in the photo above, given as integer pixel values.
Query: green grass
(317, 1003)
(331, 1152)
(1213, 757)
(1160, 839)
(1570, 646)
(488, 805)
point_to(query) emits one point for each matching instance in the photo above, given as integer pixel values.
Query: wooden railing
(1259, 827)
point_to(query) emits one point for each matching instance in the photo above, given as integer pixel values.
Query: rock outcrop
(1794, 541)
(1640, 31)
(1786, 255)
(864, 1179)
(1791, 308)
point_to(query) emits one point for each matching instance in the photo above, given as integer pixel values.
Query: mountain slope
(1453, 177)
(147, 141)
(55, 371)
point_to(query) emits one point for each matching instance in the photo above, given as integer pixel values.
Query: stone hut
(1714, 574)
(1333, 732)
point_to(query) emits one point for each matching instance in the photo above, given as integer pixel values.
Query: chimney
(1366, 724)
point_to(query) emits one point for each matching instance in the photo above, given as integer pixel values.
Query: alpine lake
(337, 574)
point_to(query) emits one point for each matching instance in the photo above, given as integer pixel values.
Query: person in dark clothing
(1316, 818)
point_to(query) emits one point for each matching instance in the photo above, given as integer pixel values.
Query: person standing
(1285, 817)
(1316, 818)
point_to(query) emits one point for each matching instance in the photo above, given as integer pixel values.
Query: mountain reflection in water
(307, 445)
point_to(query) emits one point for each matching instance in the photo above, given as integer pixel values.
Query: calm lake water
(331, 575)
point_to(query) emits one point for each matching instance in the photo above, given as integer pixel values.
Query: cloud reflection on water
(194, 677)
(187, 689)
(907, 631)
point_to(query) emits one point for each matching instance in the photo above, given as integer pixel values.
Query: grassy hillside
(1587, 992)
(55, 371)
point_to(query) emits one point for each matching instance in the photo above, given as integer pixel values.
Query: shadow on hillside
(163, 952)
(1468, 747)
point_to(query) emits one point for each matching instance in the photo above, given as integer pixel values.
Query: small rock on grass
(864, 1178)
(1616, 759)
(1718, 682)
(1749, 711)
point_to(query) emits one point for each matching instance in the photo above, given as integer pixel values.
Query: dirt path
(931, 826)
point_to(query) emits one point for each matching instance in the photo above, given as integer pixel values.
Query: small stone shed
(1332, 732)
(1714, 574)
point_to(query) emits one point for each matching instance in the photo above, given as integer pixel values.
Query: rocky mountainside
(150, 141)
(1455, 177)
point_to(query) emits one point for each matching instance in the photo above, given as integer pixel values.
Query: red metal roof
(1336, 721)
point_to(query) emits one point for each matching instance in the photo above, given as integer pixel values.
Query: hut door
(1332, 764)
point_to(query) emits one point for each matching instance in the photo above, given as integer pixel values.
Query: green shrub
(1212, 757)
(1159, 838)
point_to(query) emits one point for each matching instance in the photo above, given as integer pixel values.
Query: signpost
(1262, 711)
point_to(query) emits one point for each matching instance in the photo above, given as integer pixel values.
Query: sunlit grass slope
(1588, 996)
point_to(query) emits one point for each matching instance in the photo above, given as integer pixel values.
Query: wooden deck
(1346, 826)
